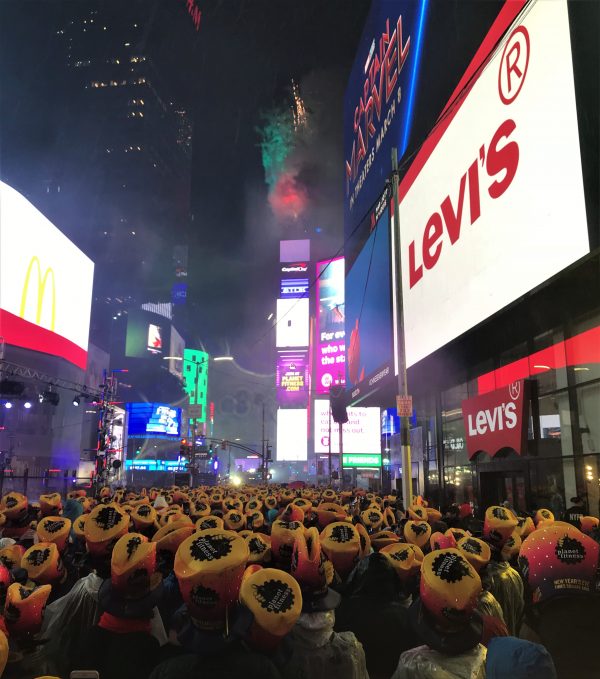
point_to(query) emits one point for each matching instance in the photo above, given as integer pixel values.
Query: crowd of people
(274, 582)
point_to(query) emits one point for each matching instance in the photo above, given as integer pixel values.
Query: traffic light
(183, 447)
(269, 450)
(211, 451)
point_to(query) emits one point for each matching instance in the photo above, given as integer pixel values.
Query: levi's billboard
(497, 420)
(493, 204)
(45, 283)
(379, 100)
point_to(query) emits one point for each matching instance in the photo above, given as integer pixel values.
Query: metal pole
(341, 434)
(402, 381)
(329, 439)
(264, 456)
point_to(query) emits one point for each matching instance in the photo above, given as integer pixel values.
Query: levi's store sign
(493, 204)
(497, 420)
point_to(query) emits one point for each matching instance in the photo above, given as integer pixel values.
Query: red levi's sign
(497, 420)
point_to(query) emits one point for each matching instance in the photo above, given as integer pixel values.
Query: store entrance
(497, 487)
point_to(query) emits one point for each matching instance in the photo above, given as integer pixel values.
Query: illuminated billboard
(45, 283)
(292, 434)
(330, 346)
(292, 328)
(293, 288)
(195, 379)
(490, 208)
(291, 378)
(369, 355)
(294, 250)
(379, 100)
(176, 349)
(153, 420)
(148, 334)
(361, 434)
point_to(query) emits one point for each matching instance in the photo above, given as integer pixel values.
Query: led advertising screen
(294, 250)
(292, 378)
(361, 434)
(291, 434)
(330, 347)
(293, 288)
(153, 420)
(369, 356)
(176, 349)
(489, 209)
(379, 100)
(45, 283)
(148, 334)
(292, 328)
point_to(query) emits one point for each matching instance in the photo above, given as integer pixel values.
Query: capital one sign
(493, 204)
(497, 420)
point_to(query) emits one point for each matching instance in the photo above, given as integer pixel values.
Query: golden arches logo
(41, 291)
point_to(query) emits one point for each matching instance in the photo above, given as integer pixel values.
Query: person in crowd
(559, 565)
(445, 620)
(575, 512)
(518, 659)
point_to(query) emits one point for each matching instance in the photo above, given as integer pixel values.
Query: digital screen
(195, 377)
(369, 356)
(489, 208)
(293, 287)
(176, 349)
(45, 283)
(330, 347)
(294, 250)
(292, 323)
(148, 334)
(361, 460)
(292, 378)
(153, 420)
(155, 344)
(179, 293)
(291, 434)
(361, 434)
(379, 100)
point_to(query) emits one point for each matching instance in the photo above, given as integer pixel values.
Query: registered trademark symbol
(513, 65)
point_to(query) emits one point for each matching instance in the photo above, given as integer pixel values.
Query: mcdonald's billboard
(45, 283)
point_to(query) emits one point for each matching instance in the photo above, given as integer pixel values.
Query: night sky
(239, 65)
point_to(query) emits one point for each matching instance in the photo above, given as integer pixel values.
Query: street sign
(361, 460)
(404, 406)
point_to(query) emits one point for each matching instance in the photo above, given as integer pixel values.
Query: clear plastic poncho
(425, 663)
(505, 583)
(317, 651)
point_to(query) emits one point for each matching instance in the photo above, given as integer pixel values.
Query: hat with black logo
(525, 526)
(417, 533)
(79, 526)
(200, 508)
(314, 572)
(255, 520)
(14, 506)
(450, 586)
(543, 515)
(24, 608)
(457, 533)
(341, 543)
(43, 564)
(498, 525)
(54, 529)
(405, 558)
(433, 515)
(329, 512)
(588, 523)
(209, 566)
(511, 546)
(417, 513)
(372, 519)
(50, 504)
(11, 556)
(143, 516)
(477, 552)
(259, 546)
(207, 522)
(103, 527)
(283, 535)
(274, 599)
(558, 560)
(365, 541)
(271, 502)
(441, 541)
(253, 505)
(232, 504)
(234, 520)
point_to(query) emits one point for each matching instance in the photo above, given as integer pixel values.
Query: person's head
(577, 501)
(518, 659)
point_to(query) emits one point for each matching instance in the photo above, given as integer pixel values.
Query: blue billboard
(369, 353)
(153, 420)
(379, 101)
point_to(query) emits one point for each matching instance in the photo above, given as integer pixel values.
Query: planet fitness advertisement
(330, 347)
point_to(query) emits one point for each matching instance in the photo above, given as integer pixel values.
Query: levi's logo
(500, 162)
(503, 416)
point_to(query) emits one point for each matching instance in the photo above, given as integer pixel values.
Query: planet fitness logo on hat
(471, 546)
(37, 556)
(210, 547)
(107, 518)
(274, 596)
(204, 596)
(569, 551)
(418, 528)
(450, 567)
(132, 546)
(499, 513)
(257, 546)
(400, 555)
(342, 534)
(53, 526)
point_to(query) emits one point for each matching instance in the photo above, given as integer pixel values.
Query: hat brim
(319, 604)
(112, 602)
(453, 643)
